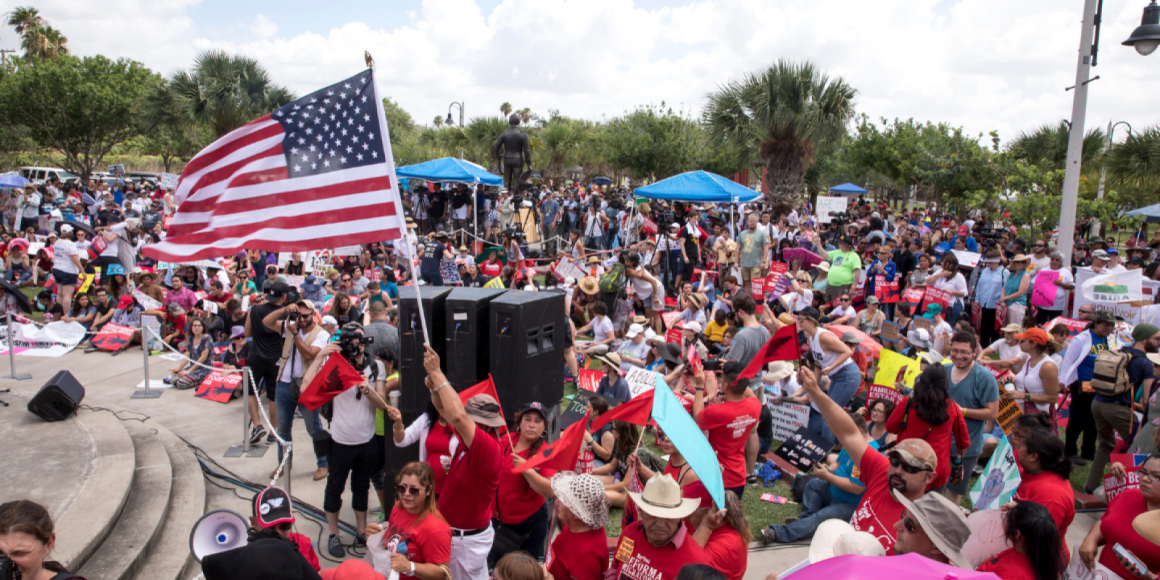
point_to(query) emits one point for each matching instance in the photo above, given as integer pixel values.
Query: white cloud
(981, 64)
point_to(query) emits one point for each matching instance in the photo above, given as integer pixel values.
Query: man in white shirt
(309, 339)
(1114, 265)
(29, 205)
(1007, 348)
(1041, 257)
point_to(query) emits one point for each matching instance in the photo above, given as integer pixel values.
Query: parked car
(43, 174)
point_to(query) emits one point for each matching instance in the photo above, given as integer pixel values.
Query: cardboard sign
(886, 292)
(828, 204)
(218, 386)
(787, 418)
(674, 335)
(576, 409)
(589, 380)
(987, 537)
(883, 392)
(1077, 570)
(966, 258)
(1074, 326)
(670, 318)
(999, 480)
(113, 337)
(1009, 412)
(808, 258)
(890, 331)
(450, 272)
(893, 367)
(1043, 293)
(757, 287)
(803, 449)
(567, 268)
(926, 323)
(146, 302)
(168, 181)
(640, 381)
(1114, 486)
(936, 296)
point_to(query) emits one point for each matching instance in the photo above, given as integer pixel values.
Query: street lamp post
(450, 120)
(1104, 167)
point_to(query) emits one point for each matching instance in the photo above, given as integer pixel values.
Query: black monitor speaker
(58, 398)
(468, 344)
(528, 331)
(413, 395)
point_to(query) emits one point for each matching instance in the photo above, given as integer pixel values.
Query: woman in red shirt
(580, 550)
(1116, 525)
(1046, 473)
(1033, 536)
(930, 414)
(520, 516)
(437, 440)
(725, 539)
(416, 522)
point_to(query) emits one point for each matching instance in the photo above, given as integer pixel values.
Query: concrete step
(123, 551)
(170, 558)
(104, 493)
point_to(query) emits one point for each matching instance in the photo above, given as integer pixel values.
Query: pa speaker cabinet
(468, 344)
(527, 331)
(414, 395)
(58, 398)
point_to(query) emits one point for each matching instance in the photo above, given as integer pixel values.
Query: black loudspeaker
(58, 398)
(397, 457)
(414, 396)
(468, 345)
(527, 348)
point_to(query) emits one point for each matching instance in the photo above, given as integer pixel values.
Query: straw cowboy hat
(589, 285)
(839, 538)
(662, 498)
(583, 495)
(778, 370)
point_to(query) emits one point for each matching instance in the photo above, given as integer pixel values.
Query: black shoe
(256, 434)
(1078, 460)
(271, 438)
(751, 480)
(334, 547)
(360, 540)
(767, 537)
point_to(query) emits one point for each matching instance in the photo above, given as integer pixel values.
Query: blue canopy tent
(699, 187)
(1151, 213)
(451, 170)
(848, 189)
(13, 179)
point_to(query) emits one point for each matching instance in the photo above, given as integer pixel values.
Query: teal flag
(687, 437)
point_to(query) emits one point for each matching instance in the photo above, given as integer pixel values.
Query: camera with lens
(349, 340)
(666, 217)
(840, 217)
(8, 569)
(713, 364)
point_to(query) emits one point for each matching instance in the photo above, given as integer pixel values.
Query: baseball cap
(915, 453)
(1113, 251)
(125, 302)
(278, 289)
(1104, 316)
(1100, 255)
(1013, 328)
(272, 506)
(1040, 337)
(329, 320)
(692, 326)
(634, 330)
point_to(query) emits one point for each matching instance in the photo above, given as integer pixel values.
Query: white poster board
(787, 418)
(168, 181)
(640, 381)
(1132, 314)
(827, 204)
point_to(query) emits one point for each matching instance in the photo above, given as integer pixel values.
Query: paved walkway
(215, 426)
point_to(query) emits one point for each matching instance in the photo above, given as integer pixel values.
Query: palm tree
(24, 18)
(506, 108)
(525, 115)
(44, 42)
(221, 91)
(1046, 146)
(482, 132)
(438, 121)
(1135, 163)
(780, 116)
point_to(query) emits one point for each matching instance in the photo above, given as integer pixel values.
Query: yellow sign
(1009, 411)
(624, 552)
(892, 367)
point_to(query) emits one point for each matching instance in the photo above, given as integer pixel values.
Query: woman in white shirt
(66, 264)
(1037, 376)
(801, 294)
(951, 281)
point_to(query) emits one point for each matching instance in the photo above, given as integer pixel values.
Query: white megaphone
(217, 531)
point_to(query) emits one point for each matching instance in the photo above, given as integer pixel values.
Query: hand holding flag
(335, 376)
(561, 454)
(783, 345)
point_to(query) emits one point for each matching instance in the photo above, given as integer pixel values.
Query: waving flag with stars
(317, 173)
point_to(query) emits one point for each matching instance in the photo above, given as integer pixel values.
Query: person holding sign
(886, 268)
(1063, 283)
(951, 281)
(1115, 531)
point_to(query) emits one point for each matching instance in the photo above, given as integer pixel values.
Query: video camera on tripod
(840, 218)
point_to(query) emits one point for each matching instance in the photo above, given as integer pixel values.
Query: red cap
(351, 570)
(962, 230)
(125, 302)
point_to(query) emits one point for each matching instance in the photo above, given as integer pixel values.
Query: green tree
(482, 132)
(221, 91)
(400, 125)
(24, 18)
(1135, 163)
(173, 144)
(652, 142)
(438, 121)
(505, 108)
(1046, 146)
(37, 37)
(78, 107)
(780, 116)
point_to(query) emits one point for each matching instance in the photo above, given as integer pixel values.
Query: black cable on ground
(115, 413)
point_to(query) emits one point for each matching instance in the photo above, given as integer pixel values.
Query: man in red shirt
(473, 477)
(727, 425)
(909, 470)
(659, 544)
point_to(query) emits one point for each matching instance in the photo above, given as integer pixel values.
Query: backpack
(1110, 373)
(612, 280)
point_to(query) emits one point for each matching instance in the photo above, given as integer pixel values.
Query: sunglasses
(407, 490)
(845, 300)
(346, 279)
(895, 461)
(909, 524)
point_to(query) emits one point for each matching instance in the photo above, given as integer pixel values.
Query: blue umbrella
(1152, 213)
(12, 179)
(601, 181)
(848, 188)
(449, 170)
(698, 187)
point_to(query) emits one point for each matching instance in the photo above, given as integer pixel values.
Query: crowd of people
(728, 277)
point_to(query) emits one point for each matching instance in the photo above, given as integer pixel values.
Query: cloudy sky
(980, 64)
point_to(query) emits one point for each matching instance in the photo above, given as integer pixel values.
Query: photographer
(27, 535)
(304, 340)
(264, 326)
(352, 430)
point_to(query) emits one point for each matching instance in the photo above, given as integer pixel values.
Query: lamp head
(1146, 37)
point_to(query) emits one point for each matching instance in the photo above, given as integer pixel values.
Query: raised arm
(446, 400)
(835, 417)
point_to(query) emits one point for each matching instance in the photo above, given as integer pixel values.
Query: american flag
(314, 174)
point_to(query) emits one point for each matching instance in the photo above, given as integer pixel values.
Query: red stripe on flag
(297, 245)
(292, 222)
(223, 173)
(303, 195)
(260, 177)
(247, 137)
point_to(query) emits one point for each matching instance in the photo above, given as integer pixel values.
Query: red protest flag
(636, 411)
(335, 376)
(783, 345)
(562, 453)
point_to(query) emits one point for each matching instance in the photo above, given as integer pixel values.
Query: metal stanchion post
(12, 374)
(148, 393)
(244, 448)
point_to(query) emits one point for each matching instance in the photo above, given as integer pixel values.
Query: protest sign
(567, 268)
(1009, 411)
(913, 297)
(808, 258)
(154, 339)
(831, 204)
(53, 340)
(113, 337)
(886, 292)
(968, 259)
(640, 381)
(576, 409)
(650, 226)
(890, 331)
(987, 537)
(936, 296)
(1000, 317)
(1128, 459)
(1077, 570)
(999, 480)
(787, 418)
(450, 272)
(1074, 326)
(318, 262)
(776, 282)
(348, 251)
(884, 392)
(218, 386)
(1131, 312)
(670, 318)
(1043, 294)
(589, 379)
(147, 302)
(1114, 486)
(1114, 287)
(674, 335)
(893, 367)
(920, 322)
(803, 449)
(168, 181)
(757, 288)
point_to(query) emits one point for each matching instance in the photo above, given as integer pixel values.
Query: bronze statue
(517, 152)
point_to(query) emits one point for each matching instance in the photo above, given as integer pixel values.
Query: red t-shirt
(1008, 565)
(438, 444)
(727, 425)
(492, 269)
(307, 549)
(429, 542)
(636, 559)
(938, 437)
(727, 553)
(471, 483)
(1116, 526)
(582, 556)
(225, 297)
(878, 509)
(516, 500)
(1054, 493)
